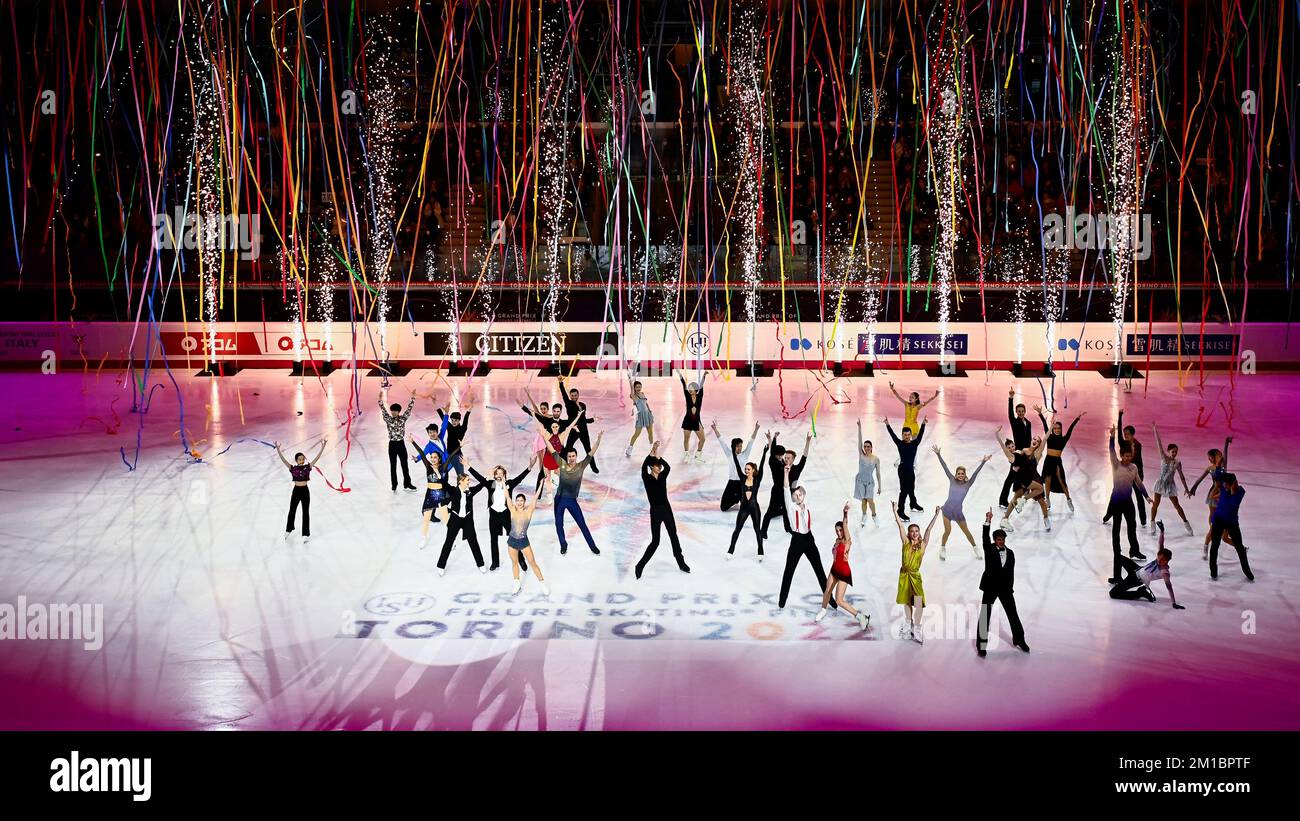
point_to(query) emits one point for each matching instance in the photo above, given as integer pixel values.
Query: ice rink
(213, 620)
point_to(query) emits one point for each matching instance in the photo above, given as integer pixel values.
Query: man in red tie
(801, 540)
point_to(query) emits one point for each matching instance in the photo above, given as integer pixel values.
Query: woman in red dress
(550, 463)
(841, 575)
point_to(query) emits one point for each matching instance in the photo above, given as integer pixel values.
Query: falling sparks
(1125, 132)
(381, 163)
(553, 157)
(946, 128)
(747, 114)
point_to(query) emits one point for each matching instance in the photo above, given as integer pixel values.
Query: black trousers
(731, 494)
(802, 545)
(396, 456)
(301, 496)
(457, 526)
(1130, 587)
(747, 511)
(986, 613)
(498, 526)
(580, 434)
(775, 505)
(1122, 513)
(662, 516)
(906, 487)
(1141, 504)
(1005, 496)
(1217, 529)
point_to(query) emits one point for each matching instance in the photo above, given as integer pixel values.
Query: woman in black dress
(694, 393)
(748, 509)
(1025, 479)
(435, 493)
(1053, 469)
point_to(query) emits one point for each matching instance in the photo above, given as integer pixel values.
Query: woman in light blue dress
(645, 420)
(958, 486)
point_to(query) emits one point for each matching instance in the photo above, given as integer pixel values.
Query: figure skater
(435, 493)
(1131, 445)
(911, 592)
(1022, 434)
(455, 427)
(645, 420)
(395, 420)
(1025, 479)
(544, 417)
(1169, 465)
(551, 455)
(737, 454)
(841, 575)
(521, 514)
(997, 584)
(691, 421)
(567, 486)
(912, 407)
(460, 520)
(1225, 520)
(802, 543)
(1053, 469)
(783, 466)
(300, 471)
(499, 489)
(907, 447)
(748, 510)
(958, 486)
(1124, 482)
(577, 412)
(1217, 467)
(868, 480)
(543, 413)
(654, 475)
(437, 441)
(1137, 581)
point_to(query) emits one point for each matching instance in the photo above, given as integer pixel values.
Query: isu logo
(225, 343)
(698, 343)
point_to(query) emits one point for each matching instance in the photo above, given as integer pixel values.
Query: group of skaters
(564, 425)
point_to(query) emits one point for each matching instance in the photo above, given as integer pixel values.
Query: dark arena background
(232, 232)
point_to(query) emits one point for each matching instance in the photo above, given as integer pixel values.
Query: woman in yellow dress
(911, 593)
(912, 407)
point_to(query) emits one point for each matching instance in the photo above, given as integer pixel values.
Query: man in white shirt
(802, 543)
(735, 455)
(998, 584)
(499, 488)
(1137, 581)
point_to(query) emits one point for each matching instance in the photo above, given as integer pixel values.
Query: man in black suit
(460, 521)
(499, 490)
(998, 583)
(577, 412)
(1022, 433)
(654, 475)
(781, 466)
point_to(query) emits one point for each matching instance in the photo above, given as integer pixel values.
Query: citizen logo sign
(536, 344)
